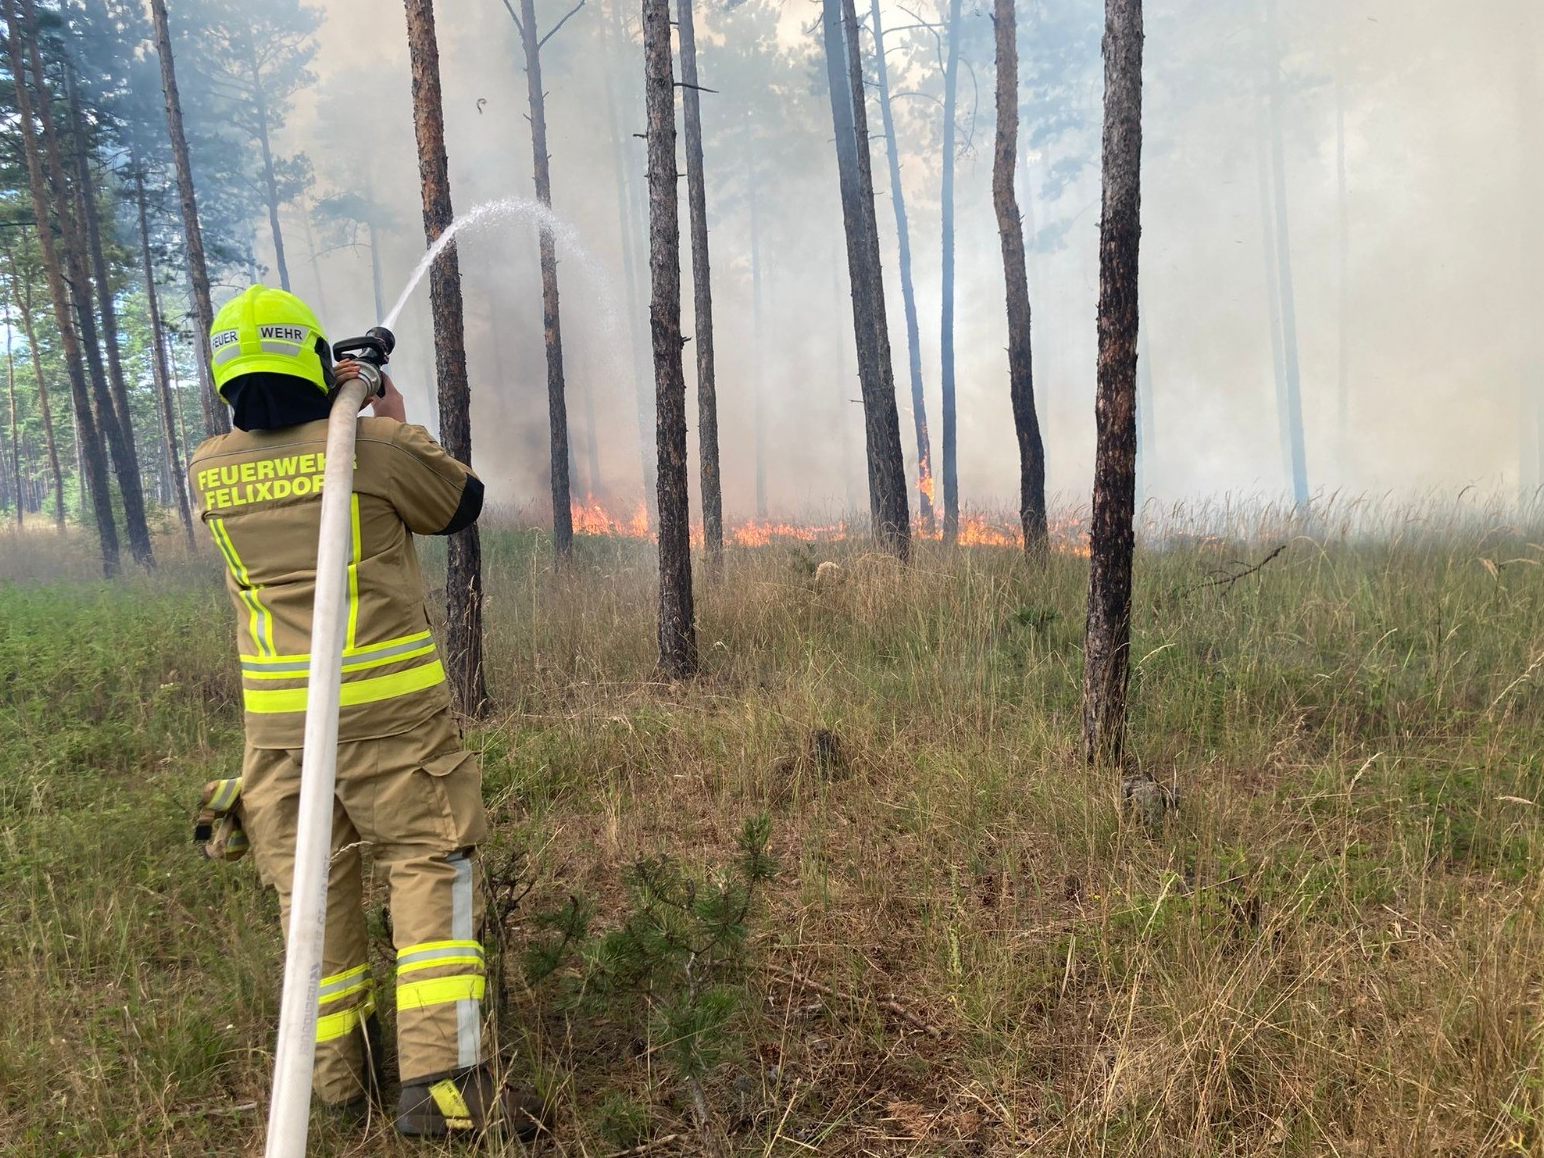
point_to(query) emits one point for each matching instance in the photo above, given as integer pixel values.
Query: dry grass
(1333, 947)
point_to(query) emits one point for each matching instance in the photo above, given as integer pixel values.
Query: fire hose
(295, 1054)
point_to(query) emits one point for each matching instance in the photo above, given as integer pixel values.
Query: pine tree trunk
(70, 210)
(946, 312)
(91, 217)
(677, 625)
(21, 292)
(463, 575)
(1021, 374)
(908, 291)
(627, 240)
(10, 386)
(702, 294)
(270, 180)
(216, 421)
(882, 429)
(93, 461)
(1296, 451)
(158, 368)
(552, 329)
(1107, 642)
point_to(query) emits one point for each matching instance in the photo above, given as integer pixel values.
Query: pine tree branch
(556, 28)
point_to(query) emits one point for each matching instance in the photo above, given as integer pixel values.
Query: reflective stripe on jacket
(259, 493)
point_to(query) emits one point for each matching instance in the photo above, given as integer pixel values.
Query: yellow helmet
(268, 331)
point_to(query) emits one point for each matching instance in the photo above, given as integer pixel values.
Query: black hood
(266, 401)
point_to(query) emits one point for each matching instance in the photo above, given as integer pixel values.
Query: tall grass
(1334, 945)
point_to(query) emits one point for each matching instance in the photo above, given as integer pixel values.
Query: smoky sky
(1431, 310)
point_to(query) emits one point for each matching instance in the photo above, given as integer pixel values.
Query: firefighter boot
(468, 1103)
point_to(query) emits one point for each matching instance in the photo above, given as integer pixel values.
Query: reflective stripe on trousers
(467, 986)
(331, 1026)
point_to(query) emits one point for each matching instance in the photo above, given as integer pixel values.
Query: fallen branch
(647, 1147)
(1226, 580)
(888, 1004)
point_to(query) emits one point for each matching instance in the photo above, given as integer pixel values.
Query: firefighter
(406, 785)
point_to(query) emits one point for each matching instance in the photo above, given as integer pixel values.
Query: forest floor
(1333, 946)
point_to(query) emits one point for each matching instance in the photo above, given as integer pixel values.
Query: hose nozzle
(374, 349)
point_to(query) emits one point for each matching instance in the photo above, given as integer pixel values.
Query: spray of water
(508, 210)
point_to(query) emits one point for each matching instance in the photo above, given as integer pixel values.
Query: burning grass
(1333, 947)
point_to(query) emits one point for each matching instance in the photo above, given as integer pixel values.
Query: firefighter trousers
(416, 800)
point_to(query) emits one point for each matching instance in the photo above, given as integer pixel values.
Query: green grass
(1333, 947)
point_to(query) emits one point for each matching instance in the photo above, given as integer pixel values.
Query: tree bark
(1107, 640)
(946, 310)
(677, 625)
(925, 484)
(1293, 400)
(552, 329)
(463, 573)
(21, 293)
(886, 464)
(1010, 230)
(702, 294)
(158, 368)
(74, 250)
(216, 421)
(93, 463)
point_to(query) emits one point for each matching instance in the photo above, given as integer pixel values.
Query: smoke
(1442, 240)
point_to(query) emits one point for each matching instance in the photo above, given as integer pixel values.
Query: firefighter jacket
(259, 493)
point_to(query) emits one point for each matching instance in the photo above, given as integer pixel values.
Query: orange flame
(591, 517)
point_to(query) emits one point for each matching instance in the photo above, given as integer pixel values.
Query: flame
(591, 517)
(925, 483)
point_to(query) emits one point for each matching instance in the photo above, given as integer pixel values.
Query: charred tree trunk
(627, 240)
(21, 293)
(677, 625)
(158, 368)
(908, 291)
(1107, 642)
(946, 311)
(463, 573)
(1293, 400)
(215, 419)
(93, 461)
(1021, 374)
(74, 251)
(552, 329)
(882, 428)
(702, 295)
